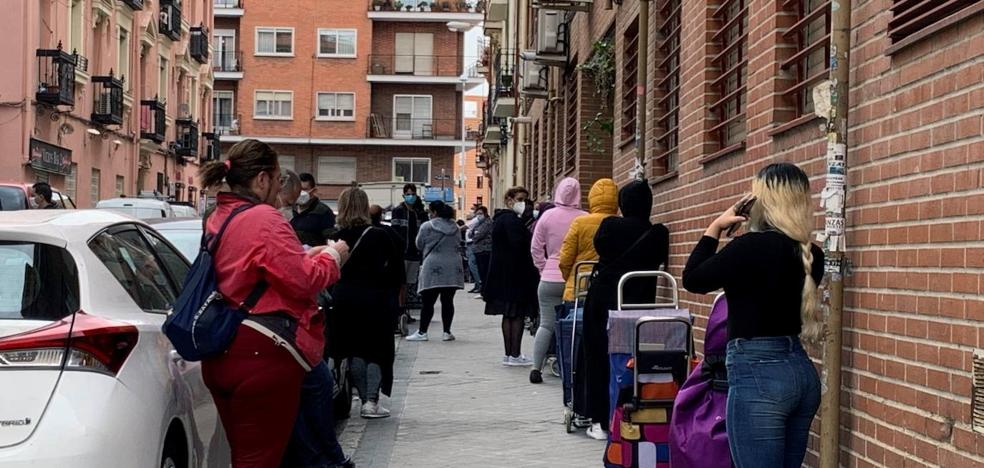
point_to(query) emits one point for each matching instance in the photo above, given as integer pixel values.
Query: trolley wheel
(555, 367)
(569, 421)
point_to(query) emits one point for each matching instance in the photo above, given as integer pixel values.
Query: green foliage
(600, 67)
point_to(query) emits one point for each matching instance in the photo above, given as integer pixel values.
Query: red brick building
(729, 90)
(347, 92)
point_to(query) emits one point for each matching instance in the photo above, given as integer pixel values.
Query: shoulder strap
(359, 240)
(214, 247)
(627, 251)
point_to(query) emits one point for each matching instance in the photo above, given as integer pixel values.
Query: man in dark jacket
(43, 196)
(481, 236)
(407, 218)
(313, 221)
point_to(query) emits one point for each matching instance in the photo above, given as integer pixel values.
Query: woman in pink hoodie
(548, 236)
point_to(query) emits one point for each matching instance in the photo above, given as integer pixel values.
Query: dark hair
(306, 177)
(376, 214)
(246, 160)
(441, 209)
(461, 222)
(482, 209)
(43, 189)
(410, 187)
(511, 193)
(784, 172)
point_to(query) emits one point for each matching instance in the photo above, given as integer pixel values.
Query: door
(222, 109)
(414, 54)
(224, 45)
(412, 117)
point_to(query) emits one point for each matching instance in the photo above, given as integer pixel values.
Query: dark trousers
(256, 386)
(429, 297)
(314, 443)
(482, 259)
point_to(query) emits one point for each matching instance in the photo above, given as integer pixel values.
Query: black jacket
(314, 224)
(407, 221)
(512, 276)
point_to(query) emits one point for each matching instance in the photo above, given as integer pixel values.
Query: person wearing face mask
(256, 382)
(442, 272)
(313, 221)
(42, 198)
(627, 243)
(290, 191)
(482, 245)
(510, 286)
(407, 218)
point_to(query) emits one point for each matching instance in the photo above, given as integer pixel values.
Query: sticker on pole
(822, 102)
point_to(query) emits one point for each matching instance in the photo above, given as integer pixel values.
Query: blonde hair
(783, 203)
(353, 208)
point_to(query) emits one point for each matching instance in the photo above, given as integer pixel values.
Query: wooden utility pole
(836, 108)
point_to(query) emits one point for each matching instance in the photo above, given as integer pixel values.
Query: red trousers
(256, 386)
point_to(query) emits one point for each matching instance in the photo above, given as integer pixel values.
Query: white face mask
(304, 197)
(519, 207)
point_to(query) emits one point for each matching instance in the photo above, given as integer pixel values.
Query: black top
(407, 220)
(314, 224)
(512, 277)
(762, 276)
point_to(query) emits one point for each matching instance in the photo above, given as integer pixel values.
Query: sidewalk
(454, 404)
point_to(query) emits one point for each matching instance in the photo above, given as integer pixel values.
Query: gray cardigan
(482, 236)
(439, 241)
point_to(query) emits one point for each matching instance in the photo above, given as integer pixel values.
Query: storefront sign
(434, 194)
(50, 158)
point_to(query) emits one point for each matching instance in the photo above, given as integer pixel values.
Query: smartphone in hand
(743, 209)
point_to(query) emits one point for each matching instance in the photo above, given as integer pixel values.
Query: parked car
(140, 208)
(186, 235)
(184, 210)
(88, 378)
(16, 196)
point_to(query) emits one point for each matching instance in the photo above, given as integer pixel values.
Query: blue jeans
(773, 395)
(313, 444)
(473, 266)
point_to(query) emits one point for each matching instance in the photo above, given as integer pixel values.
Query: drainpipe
(833, 196)
(519, 131)
(641, 77)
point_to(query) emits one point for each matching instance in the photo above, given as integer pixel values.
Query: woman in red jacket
(256, 383)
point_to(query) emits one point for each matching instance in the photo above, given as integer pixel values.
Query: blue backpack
(202, 324)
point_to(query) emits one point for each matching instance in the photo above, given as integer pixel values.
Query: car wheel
(342, 399)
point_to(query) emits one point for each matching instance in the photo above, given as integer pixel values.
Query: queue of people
(355, 274)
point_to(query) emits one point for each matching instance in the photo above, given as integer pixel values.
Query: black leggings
(512, 335)
(429, 297)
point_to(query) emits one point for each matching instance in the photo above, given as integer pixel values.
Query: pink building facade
(103, 98)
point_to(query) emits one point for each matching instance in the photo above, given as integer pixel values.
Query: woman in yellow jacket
(579, 243)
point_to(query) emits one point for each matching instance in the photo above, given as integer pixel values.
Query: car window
(187, 241)
(131, 261)
(173, 261)
(12, 198)
(37, 282)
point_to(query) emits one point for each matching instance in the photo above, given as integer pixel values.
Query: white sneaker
(520, 361)
(417, 336)
(447, 337)
(372, 410)
(505, 360)
(596, 432)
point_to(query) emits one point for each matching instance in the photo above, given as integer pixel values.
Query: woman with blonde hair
(361, 323)
(770, 277)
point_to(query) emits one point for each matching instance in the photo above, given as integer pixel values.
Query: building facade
(107, 97)
(354, 91)
(729, 88)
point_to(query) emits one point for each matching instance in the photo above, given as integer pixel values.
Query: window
(416, 170)
(70, 181)
(730, 84)
(224, 55)
(162, 85)
(668, 106)
(160, 182)
(94, 183)
(120, 185)
(123, 58)
(133, 264)
(336, 170)
(336, 42)
(915, 20)
(222, 109)
(76, 36)
(274, 105)
(630, 64)
(412, 117)
(286, 163)
(478, 182)
(414, 53)
(37, 282)
(573, 119)
(808, 66)
(336, 106)
(471, 110)
(275, 41)
(171, 259)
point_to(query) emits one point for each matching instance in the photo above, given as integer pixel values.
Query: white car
(88, 378)
(140, 208)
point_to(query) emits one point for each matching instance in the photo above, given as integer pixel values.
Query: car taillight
(90, 343)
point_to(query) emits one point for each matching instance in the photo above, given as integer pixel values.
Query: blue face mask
(410, 199)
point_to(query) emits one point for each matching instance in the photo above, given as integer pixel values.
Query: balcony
(502, 93)
(107, 106)
(481, 161)
(134, 4)
(153, 120)
(407, 127)
(170, 19)
(213, 147)
(227, 8)
(566, 5)
(440, 11)
(498, 11)
(228, 65)
(199, 44)
(430, 69)
(56, 77)
(226, 123)
(186, 137)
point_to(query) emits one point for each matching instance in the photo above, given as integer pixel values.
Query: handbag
(202, 324)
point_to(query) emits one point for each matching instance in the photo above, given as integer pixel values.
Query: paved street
(455, 404)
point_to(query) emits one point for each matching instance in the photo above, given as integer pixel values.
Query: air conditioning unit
(551, 38)
(534, 79)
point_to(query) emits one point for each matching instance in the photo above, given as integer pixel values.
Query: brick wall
(915, 216)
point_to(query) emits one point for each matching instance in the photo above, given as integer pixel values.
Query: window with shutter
(630, 64)
(732, 36)
(571, 145)
(336, 170)
(668, 106)
(808, 66)
(914, 20)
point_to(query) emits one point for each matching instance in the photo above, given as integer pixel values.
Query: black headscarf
(636, 200)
